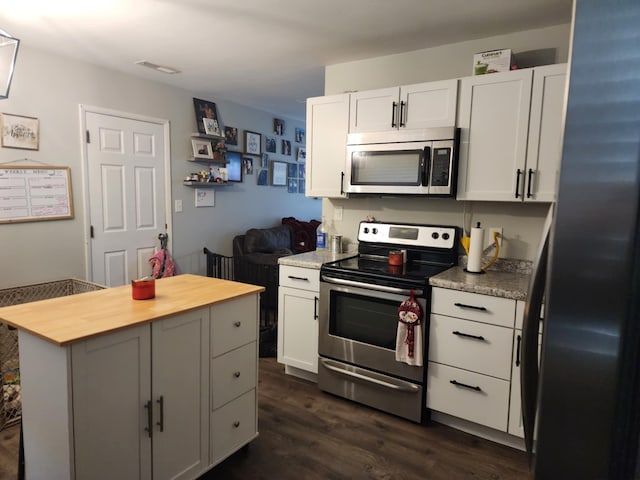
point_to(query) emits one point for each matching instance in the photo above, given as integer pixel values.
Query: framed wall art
(201, 148)
(211, 127)
(286, 147)
(234, 166)
(231, 135)
(300, 135)
(204, 109)
(302, 154)
(247, 165)
(252, 143)
(270, 144)
(278, 174)
(20, 132)
(278, 126)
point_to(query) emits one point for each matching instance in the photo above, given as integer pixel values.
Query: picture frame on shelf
(278, 126)
(252, 143)
(270, 144)
(300, 135)
(204, 109)
(234, 167)
(20, 132)
(302, 154)
(292, 185)
(211, 127)
(201, 148)
(278, 174)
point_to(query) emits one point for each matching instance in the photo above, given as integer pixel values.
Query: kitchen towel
(409, 333)
(476, 244)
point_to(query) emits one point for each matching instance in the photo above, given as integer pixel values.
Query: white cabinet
(298, 297)
(422, 105)
(327, 127)
(162, 400)
(511, 129)
(470, 349)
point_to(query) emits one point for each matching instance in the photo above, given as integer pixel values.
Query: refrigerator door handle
(530, 326)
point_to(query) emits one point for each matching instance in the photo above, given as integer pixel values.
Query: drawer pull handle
(473, 307)
(237, 324)
(475, 337)
(464, 385)
(293, 277)
(236, 424)
(236, 374)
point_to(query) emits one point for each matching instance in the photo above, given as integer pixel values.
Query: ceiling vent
(159, 68)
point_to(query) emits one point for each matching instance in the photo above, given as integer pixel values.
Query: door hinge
(88, 137)
(91, 231)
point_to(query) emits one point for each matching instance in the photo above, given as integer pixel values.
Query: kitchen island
(119, 388)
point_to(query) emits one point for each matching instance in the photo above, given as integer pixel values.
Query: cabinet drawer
(233, 324)
(484, 400)
(473, 306)
(233, 425)
(474, 346)
(233, 374)
(300, 277)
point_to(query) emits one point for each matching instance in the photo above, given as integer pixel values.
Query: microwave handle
(426, 166)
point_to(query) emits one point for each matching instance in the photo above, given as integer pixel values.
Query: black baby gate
(241, 270)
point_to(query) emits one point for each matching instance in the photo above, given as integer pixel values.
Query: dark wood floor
(307, 434)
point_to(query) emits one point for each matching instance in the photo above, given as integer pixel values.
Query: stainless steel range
(358, 314)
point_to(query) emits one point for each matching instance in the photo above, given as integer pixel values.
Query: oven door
(358, 325)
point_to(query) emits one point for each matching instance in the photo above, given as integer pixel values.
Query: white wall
(51, 88)
(522, 223)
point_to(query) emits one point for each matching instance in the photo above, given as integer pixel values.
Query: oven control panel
(433, 236)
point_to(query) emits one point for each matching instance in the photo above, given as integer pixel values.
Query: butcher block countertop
(72, 318)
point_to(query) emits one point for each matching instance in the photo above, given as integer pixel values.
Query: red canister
(143, 289)
(396, 257)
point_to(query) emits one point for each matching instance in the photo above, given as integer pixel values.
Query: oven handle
(382, 288)
(400, 386)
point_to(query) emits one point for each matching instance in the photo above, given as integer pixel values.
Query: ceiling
(269, 54)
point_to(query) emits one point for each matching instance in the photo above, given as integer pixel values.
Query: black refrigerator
(582, 408)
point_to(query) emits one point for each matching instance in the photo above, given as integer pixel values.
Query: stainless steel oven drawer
(376, 390)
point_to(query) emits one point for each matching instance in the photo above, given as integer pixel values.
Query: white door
(126, 193)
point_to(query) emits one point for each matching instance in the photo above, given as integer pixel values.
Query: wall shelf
(205, 184)
(208, 160)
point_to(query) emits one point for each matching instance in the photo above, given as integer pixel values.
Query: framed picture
(270, 144)
(231, 135)
(300, 135)
(264, 160)
(263, 177)
(286, 147)
(292, 185)
(278, 126)
(252, 143)
(247, 165)
(278, 174)
(301, 184)
(20, 132)
(302, 171)
(205, 197)
(211, 127)
(292, 170)
(201, 148)
(204, 109)
(302, 154)
(234, 167)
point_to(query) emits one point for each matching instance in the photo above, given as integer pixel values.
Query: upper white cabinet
(511, 131)
(423, 105)
(327, 128)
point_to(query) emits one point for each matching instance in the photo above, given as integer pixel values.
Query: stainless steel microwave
(411, 162)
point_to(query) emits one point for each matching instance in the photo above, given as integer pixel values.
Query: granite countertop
(504, 281)
(314, 259)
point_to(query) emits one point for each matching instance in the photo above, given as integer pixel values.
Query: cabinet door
(180, 379)
(546, 127)
(298, 328)
(374, 110)
(494, 121)
(111, 385)
(428, 105)
(327, 128)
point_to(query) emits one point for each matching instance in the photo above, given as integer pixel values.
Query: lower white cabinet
(298, 297)
(162, 400)
(470, 351)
